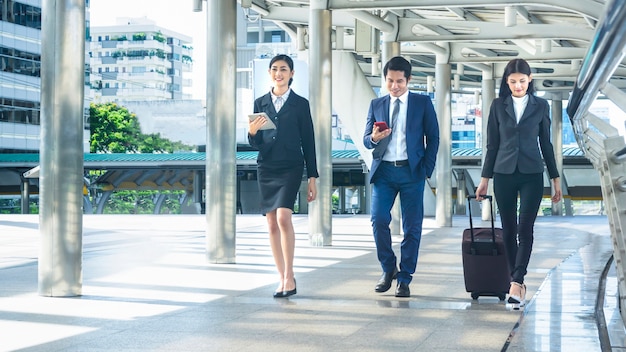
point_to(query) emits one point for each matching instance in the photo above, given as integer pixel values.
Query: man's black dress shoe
(402, 290)
(384, 283)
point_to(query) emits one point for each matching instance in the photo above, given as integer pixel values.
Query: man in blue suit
(404, 154)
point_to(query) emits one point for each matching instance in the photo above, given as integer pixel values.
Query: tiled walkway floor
(147, 286)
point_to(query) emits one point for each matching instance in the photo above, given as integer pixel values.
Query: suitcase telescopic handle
(469, 207)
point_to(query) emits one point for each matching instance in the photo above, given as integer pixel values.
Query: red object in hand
(382, 125)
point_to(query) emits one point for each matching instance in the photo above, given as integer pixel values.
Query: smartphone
(382, 125)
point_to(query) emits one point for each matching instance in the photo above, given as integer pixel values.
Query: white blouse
(520, 105)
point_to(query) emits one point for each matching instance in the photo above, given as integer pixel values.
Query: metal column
(488, 94)
(25, 199)
(557, 141)
(221, 167)
(443, 215)
(390, 49)
(61, 150)
(320, 97)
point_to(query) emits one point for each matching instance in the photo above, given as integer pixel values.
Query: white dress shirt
(519, 105)
(396, 150)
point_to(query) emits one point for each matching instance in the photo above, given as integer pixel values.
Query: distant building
(20, 72)
(177, 120)
(20, 75)
(136, 60)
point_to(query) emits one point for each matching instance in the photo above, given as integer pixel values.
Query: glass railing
(602, 142)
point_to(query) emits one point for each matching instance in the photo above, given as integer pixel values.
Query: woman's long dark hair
(515, 66)
(287, 59)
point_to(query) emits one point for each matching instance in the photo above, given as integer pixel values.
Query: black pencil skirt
(279, 186)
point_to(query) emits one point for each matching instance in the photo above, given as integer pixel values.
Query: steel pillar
(61, 150)
(221, 166)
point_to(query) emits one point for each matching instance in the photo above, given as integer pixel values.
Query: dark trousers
(518, 233)
(389, 182)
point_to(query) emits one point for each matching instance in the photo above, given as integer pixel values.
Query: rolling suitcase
(485, 265)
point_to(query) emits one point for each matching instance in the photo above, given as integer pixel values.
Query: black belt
(397, 163)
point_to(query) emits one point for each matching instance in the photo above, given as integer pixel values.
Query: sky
(176, 15)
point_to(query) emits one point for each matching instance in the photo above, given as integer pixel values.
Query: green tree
(116, 130)
(153, 143)
(113, 129)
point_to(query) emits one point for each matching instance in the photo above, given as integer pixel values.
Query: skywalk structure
(453, 45)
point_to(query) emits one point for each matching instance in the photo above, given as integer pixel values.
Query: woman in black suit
(517, 121)
(283, 152)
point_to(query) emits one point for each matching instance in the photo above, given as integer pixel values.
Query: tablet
(269, 124)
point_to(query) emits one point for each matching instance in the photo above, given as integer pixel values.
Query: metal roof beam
(486, 31)
(588, 8)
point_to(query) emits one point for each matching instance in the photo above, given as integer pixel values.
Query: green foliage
(159, 37)
(116, 130)
(142, 202)
(153, 143)
(113, 129)
(13, 205)
(139, 36)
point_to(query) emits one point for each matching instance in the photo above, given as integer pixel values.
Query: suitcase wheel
(501, 295)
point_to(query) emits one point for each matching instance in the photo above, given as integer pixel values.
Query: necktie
(394, 114)
(278, 103)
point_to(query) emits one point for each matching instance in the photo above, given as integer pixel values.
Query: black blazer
(293, 140)
(512, 145)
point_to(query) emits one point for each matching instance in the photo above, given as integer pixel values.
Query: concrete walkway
(148, 287)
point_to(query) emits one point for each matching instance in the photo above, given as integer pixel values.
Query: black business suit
(284, 151)
(514, 160)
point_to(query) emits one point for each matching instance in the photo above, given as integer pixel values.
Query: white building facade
(137, 60)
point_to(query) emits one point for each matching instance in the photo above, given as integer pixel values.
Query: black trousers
(518, 233)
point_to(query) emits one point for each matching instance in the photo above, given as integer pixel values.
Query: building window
(276, 37)
(20, 14)
(19, 111)
(20, 62)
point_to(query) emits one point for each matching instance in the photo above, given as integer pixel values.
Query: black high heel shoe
(291, 292)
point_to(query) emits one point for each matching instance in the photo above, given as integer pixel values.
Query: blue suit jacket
(422, 134)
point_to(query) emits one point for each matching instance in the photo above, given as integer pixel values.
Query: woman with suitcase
(518, 142)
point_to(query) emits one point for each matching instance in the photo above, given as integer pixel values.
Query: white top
(284, 99)
(396, 150)
(519, 104)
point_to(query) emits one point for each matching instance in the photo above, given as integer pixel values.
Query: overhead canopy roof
(553, 35)
(176, 171)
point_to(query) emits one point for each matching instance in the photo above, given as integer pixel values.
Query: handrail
(602, 59)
